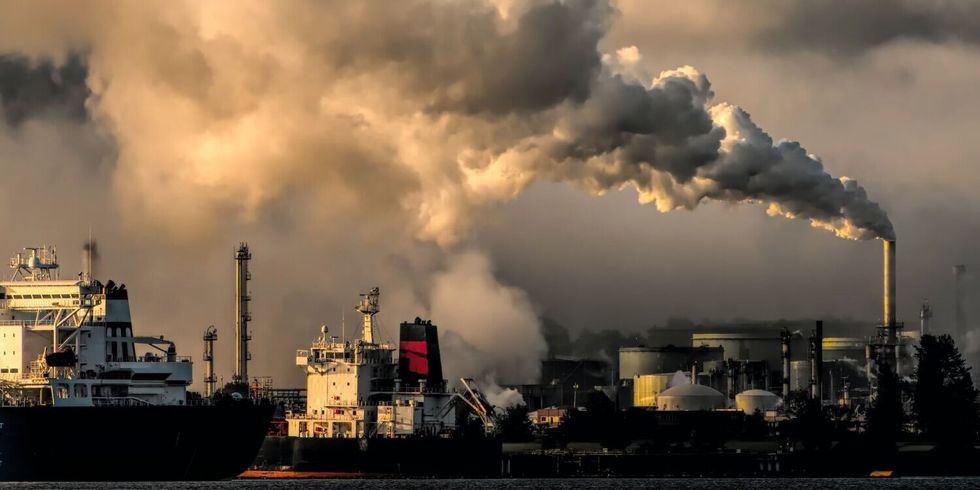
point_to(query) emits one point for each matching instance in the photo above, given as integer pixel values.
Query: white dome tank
(749, 401)
(690, 397)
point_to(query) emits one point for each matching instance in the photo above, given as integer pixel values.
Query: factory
(756, 367)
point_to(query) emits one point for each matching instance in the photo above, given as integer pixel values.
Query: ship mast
(368, 307)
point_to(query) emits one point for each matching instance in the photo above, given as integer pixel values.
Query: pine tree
(885, 417)
(945, 403)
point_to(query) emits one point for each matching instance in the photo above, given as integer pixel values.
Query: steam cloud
(415, 116)
(447, 107)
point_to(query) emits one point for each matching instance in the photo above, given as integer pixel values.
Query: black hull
(419, 457)
(130, 443)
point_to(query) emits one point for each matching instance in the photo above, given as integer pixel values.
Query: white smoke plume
(488, 331)
(407, 120)
(428, 110)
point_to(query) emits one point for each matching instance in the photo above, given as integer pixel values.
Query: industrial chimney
(888, 317)
(959, 302)
(242, 315)
(816, 362)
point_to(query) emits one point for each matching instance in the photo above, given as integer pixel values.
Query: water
(535, 484)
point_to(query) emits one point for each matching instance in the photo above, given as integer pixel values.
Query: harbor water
(535, 484)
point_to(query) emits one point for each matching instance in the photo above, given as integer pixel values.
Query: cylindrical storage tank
(690, 398)
(839, 348)
(640, 361)
(647, 387)
(751, 401)
(745, 346)
(799, 375)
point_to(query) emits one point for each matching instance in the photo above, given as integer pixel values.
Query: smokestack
(816, 362)
(888, 317)
(242, 315)
(959, 302)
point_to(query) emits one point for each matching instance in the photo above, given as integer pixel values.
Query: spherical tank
(751, 401)
(690, 397)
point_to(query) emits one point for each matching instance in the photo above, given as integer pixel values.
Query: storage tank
(799, 375)
(647, 387)
(750, 401)
(690, 397)
(640, 361)
(762, 345)
(838, 348)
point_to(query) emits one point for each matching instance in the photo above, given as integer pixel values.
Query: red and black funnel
(418, 353)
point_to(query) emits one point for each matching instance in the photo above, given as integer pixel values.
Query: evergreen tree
(885, 417)
(945, 403)
(514, 425)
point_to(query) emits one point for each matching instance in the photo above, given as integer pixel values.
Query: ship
(82, 398)
(368, 413)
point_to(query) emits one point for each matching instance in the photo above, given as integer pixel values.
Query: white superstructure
(71, 342)
(353, 390)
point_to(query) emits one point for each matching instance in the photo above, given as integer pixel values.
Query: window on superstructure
(46, 296)
(36, 296)
(63, 391)
(13, 370)
(81, 391)
(4, 370)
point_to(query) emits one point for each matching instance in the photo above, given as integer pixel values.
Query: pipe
(816, 362)
(888, 317)
(785, 339)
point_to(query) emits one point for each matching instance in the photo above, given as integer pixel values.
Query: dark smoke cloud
(403, 120)
(853, 27)
(30, 88)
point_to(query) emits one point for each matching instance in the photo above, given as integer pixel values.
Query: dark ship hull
(407, 457)
(130, 443)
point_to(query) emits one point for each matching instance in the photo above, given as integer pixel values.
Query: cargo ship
(82, 398)
(367, 413)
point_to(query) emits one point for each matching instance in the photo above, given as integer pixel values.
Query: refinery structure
(372, 406)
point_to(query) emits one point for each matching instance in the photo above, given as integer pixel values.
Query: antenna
(368, 307)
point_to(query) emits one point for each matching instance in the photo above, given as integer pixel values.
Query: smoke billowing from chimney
(346, 101)
(414, 117)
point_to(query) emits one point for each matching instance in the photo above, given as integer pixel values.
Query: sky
(487, 164)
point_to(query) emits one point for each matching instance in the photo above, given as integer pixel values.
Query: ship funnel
(418, 354)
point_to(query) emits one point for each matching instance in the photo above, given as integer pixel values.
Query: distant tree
(945, 400)
(513, 424)
(599, 421)
(885, 417)
(808, 424)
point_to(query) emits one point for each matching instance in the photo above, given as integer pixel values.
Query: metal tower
(925, 314)
(242, 314)
(368, 307)
(210, 335)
